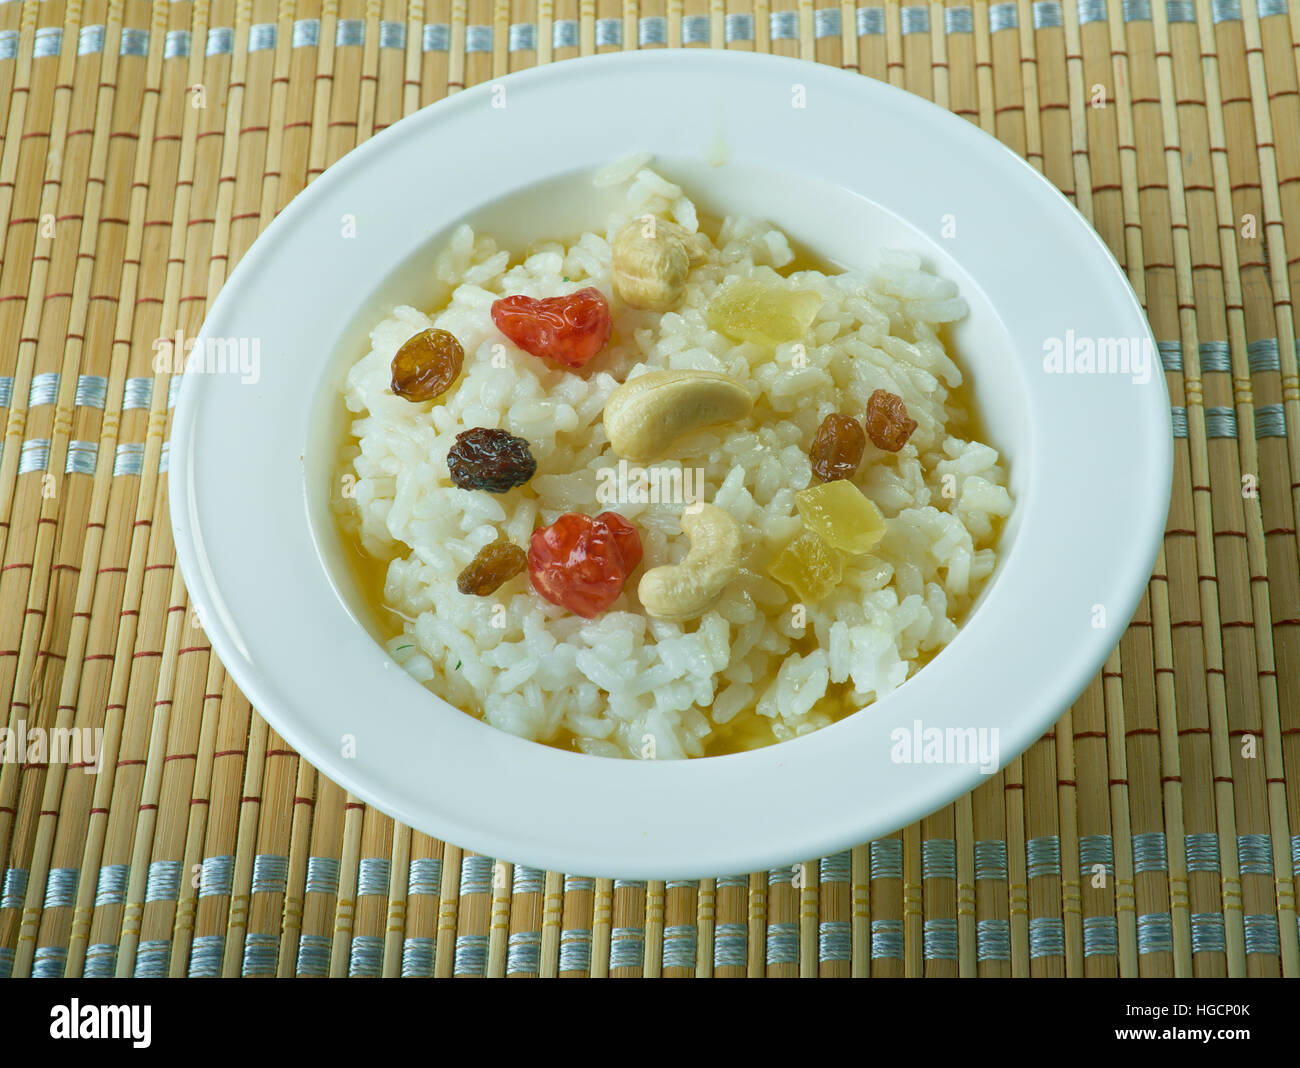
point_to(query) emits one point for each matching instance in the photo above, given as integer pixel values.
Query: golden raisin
(887, 421)
(427, 365)
(494, 564)
(837, 449)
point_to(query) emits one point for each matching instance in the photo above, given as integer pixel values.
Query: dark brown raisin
(837, 449)
(427, 365)
(887, 421)
(494, 564)
(491, 460)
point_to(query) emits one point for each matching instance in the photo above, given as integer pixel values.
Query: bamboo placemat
(144, 148)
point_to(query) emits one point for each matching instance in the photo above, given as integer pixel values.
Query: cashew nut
(651, 261)
(645, 415)
(678, 592)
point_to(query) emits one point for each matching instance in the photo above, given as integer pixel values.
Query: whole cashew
(645, 415)
(678, 592)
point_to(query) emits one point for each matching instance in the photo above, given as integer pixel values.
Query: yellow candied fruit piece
(844, 517)
(808, 566)
(763, 313)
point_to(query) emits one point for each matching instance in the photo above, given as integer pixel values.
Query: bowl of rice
(742, 473)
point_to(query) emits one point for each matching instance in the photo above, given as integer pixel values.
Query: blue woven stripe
(1094, 850)
(206, 955)
(261, 955)
(1263, 355)
(101, 960)
(887, 859)
(152, 958)
(1100, 936)
(730, 945)
(313, 956)
(524, 953)
(836, 869)
(61, 887)
(680, 943)
(471, 955)
(939, 939)
(1202, 851)
(1043, 856)
(1149, 853)
(1046, 937)
(782, 943)
(373, 875)
(528, 880)
(426, 876)
(366, 960)
(15, 888)
(993, 940)
(164, 881)
(939, 858)
(886, 939)
(217, 876)
(834, 941)
(1155, 933)
(991, 860)
(1262, 935)
(322, 875)
(1215, 356)
(47, 963)
(1208, 933)
(270, 874)
(1254, 854)
(739, 27)
(418, 957)
(575, 950)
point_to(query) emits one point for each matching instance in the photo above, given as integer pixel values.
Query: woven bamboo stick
(1083, 752)
(80, 188)
(23, 484)
(655, 914)
(1246, 259)
(1246, 648)
(68, 240)
(118, 545)
(38, 664)
(1274, 89)
(756, 934)
(184, 657)
(1165, 119)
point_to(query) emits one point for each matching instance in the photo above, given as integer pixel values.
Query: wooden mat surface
(1152, 832)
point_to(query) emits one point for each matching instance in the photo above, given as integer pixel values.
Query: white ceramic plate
(844, 164)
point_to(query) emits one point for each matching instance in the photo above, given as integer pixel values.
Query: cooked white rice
(623, 684)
